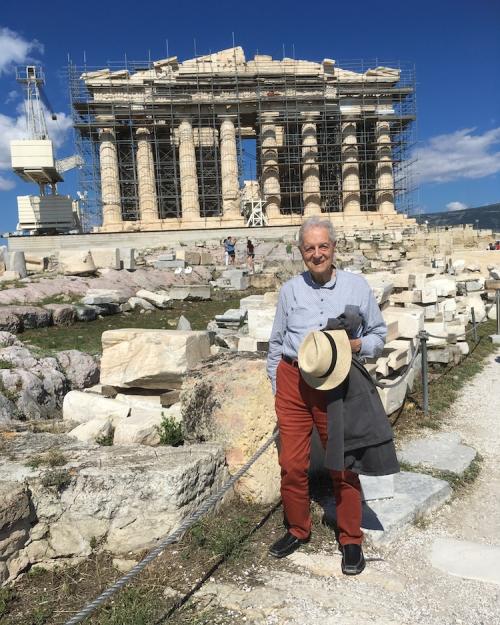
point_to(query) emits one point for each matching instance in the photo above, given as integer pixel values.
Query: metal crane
(33, 161)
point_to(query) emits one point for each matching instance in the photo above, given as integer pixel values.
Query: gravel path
(402, 588)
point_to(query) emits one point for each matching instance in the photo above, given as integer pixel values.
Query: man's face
(317, 251)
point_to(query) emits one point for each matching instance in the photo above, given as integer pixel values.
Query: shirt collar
(328, 285)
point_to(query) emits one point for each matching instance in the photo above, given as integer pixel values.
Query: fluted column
(350, 169)
(229, 170)
(310, 169)
(270, 169)
(110, 179)
(187, 172)
(384, 174)
(148, 207)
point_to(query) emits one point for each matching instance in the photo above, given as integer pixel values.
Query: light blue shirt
(304, 305)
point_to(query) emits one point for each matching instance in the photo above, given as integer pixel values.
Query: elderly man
(306, 302)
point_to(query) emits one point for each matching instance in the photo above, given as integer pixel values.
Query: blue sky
(455, 46)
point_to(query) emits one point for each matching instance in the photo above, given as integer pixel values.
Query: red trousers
(298, 408)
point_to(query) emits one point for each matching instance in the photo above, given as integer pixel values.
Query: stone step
(415, 495)
(463, 558)
(442, 452)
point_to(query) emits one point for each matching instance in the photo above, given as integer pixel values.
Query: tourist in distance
(231, 243)
(226, 251)
(326, 320)
(250, 255)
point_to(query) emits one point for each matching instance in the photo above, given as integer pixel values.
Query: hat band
(334, 356)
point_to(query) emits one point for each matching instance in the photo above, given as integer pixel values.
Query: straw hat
(325, 359)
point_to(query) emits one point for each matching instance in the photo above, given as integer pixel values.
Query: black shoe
(286, 545)
(353, 560)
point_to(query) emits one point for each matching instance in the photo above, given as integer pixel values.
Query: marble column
(110, 178)
(270, 169)
(310, 169)
(229, 170)
(351, 198)
(187, 172)
(148, 207)
(384, 175)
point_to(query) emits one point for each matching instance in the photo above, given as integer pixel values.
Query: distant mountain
(480, 217)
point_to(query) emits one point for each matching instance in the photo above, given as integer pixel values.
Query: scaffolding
(159, 95)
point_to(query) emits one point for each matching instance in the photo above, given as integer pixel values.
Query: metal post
(498, 310)
(423, 336)
(474, 324)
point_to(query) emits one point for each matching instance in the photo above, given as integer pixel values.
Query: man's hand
(355, 345)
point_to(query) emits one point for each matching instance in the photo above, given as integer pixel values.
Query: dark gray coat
(360, 436)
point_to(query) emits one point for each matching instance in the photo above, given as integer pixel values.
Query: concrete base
(495, 339)
(168, 233)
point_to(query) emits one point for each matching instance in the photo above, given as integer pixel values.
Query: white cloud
(460, 154)
(6, 184)
(15, 49)
(12, 96)
(456, 206)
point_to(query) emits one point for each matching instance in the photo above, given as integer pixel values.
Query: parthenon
(168, 145)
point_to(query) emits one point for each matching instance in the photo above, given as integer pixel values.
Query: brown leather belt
(291, 361)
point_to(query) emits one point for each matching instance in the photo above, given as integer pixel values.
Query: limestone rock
(8, 410)
(494, 272)
(76, 262)
(183, 324)
(160, 300)
(139, 302)
(150, 358)
(62, 314)
(260, 323)
(93, 430)
(15, 521)
(221, 404)
(17, 263)
(82, 407)
(104, 296)
(10, 322)
(106, 257)
(85, 313)
(38, 392)
(80, 368)
(139, 429)
(31, 316)
(410, 321)
(192, 292)
(190, 258)
(127, 258)
(106, 494)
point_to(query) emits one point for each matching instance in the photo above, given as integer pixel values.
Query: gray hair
(317, 221)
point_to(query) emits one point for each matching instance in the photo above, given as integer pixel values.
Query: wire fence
(174, 537)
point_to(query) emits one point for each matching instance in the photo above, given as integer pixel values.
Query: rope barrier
(91, 607)
(404, 374)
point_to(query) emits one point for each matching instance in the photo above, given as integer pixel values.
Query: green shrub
(53, 458)
(5, 364)
(56, 478)
(170, 432)
(106, 441)
(6, 596)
